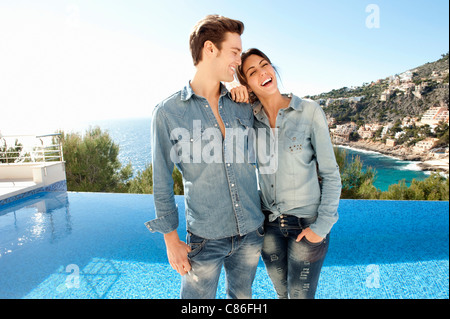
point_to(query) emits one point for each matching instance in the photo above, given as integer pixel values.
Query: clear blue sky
(93, 59)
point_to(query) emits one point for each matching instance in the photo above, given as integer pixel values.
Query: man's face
(229, 57)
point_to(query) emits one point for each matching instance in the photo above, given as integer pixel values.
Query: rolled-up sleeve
(166, 210)
(329, 172)
(164, 223)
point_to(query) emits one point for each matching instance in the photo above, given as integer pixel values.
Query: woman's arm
(328, 171)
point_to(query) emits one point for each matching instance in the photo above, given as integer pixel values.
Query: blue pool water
(93, 245)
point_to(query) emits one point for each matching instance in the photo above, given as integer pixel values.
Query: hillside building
(425, 145)
(435, 115)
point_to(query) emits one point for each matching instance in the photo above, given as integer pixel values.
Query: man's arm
(166, 210)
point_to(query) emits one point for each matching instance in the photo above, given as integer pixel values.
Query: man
(196, 129)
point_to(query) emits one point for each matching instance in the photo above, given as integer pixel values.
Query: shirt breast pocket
(295, 138)
(195, 146)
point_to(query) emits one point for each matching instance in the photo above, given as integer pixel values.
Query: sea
(133, 138)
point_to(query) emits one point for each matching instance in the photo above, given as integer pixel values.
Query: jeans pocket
(313, 244)
(196, 243)
(315, 251)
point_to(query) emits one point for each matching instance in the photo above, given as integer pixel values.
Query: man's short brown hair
(212, 28)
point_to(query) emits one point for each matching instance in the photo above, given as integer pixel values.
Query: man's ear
(209, 48)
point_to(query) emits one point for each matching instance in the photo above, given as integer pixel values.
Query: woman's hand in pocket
(311, 236)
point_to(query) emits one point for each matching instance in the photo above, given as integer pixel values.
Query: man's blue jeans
(294, 267)
(238, 254)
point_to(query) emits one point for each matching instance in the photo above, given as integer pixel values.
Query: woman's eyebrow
(252, 67)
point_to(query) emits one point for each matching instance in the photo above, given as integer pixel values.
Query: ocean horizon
(133, 137)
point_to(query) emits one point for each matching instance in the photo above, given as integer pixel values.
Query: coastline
(425, 161)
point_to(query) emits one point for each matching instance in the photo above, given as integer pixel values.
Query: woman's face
(260, 76)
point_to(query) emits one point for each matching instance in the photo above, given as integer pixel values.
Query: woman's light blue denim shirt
(219, 176)
(297, 150)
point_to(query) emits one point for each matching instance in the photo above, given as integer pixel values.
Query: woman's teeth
(266, 81)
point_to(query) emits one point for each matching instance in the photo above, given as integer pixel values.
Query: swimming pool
(95, 245)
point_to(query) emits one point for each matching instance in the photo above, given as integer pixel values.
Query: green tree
(178, 187)
(142, 183)
(92, 163)
(354, 177)
(442, 134)
(356, 182)
(368, 191)
(398, 192)
(11, 154)
(435, 187)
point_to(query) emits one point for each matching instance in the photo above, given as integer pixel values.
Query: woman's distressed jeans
(294, 267)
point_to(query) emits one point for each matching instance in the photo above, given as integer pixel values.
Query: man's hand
(177, 252)
(311, 236)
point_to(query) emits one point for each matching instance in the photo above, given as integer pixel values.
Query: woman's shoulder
(303, 104)
(308, 111)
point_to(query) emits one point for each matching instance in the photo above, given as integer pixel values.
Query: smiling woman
(300, 210)
(258, 63)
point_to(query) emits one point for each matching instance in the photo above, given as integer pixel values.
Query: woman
(299, 179)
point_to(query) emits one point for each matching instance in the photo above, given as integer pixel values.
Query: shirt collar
(257, 107)
(296, 104)
(187, 92)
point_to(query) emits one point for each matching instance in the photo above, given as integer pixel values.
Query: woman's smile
(267, 82)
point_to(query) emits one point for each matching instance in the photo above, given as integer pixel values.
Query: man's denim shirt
(219, 176)
(289, 180)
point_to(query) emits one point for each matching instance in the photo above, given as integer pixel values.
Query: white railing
(31, 148)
